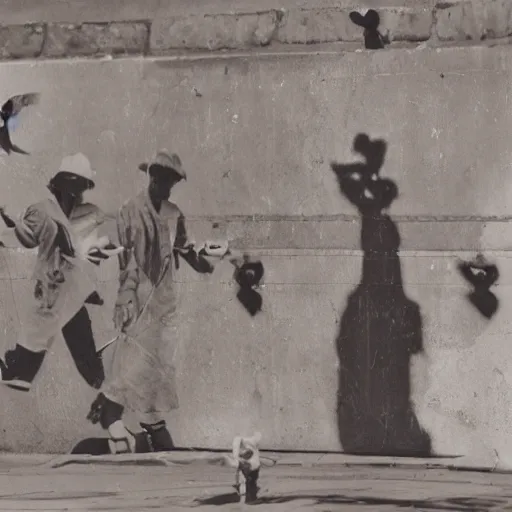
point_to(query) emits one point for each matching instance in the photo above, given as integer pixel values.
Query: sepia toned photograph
(255, 254)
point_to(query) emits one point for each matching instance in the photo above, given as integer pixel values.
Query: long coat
(63, 277)
(143, 373)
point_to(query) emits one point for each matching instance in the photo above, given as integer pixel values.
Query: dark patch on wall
(444, 5)
(373, 39)
(248, 276)
(381, 328)
(481, 275)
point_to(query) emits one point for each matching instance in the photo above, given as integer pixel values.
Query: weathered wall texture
(257, 144)
(92, 28)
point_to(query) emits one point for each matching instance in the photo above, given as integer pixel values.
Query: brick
(493, 18)
(455, 22)
(406, 24)
(474, 20)
(317, 26)
(21, 41)
(331, 25)
(68, 40)
(214, 32)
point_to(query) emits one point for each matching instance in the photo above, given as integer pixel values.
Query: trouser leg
(20, 367)
(79, 338)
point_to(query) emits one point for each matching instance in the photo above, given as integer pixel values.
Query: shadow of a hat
(370, 20)
(480, 273)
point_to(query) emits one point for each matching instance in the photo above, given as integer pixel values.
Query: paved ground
(207, 485)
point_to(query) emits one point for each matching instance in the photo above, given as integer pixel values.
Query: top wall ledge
(282, 28)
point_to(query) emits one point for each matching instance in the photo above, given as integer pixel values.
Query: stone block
(406, 24)
(301, 26)
(21, 41)
(214, 32)
(69, 40)
(493, 18)
(473, 20)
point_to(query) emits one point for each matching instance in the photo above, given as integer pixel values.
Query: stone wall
(452, 22)
(257, 143)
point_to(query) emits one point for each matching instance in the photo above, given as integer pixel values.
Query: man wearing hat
(64, 276)
(152, 231)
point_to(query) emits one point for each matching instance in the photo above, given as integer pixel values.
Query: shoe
(105, 412)
(121, 439)
(159, 437)
(20, 368)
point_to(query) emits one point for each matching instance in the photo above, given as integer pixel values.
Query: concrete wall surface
(257, 143)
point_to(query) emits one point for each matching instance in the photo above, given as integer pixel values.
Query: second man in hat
(152, 231)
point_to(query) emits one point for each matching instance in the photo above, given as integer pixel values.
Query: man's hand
(126, 310)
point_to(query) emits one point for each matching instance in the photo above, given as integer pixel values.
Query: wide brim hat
(165, 161)
(79, 165)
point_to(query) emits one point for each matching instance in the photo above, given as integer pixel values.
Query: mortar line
(259, 53)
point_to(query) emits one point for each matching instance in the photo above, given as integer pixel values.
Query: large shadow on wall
(380, 328)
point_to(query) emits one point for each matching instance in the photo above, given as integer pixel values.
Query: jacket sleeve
(195, 260)
(128, 273)
(34, 227)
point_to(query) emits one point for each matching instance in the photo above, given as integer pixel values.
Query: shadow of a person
(380, 328)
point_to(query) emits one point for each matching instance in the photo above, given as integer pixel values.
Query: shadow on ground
(458, 503)
(61, 495)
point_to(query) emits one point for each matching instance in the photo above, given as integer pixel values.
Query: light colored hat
(166, 160)
(79, 165)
